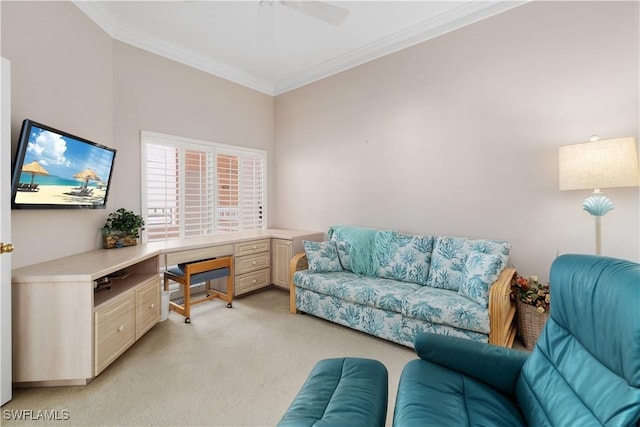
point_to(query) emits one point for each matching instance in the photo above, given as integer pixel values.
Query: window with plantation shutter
(161, 193)
(199, 175)
(252, 191)
(228, 201)
(195, 188)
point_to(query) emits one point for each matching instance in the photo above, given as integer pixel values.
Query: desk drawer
(245, 264)
(251, 281)
(248, 248)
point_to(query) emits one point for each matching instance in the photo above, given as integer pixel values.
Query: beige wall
(62, 75)
(459, 135)
(69, 74)
(159, 95)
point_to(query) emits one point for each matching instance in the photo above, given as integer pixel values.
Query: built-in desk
(66, 333)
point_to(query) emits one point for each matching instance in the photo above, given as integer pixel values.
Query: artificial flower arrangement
(529, 290)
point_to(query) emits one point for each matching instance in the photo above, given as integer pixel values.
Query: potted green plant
(122, 228)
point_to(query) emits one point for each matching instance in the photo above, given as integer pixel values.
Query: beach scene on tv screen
(60, 170)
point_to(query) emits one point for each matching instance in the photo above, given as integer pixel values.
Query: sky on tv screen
(63, 157)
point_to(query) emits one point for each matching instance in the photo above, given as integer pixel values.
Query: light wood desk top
(89, 266)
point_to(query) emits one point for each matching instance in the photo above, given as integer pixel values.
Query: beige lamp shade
(601, 164)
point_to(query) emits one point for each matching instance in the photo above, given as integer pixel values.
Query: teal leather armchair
(583, 371)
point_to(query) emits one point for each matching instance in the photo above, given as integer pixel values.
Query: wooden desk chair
(193, 273)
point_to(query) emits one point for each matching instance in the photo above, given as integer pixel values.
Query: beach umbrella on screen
(34, 168)
(86, 175)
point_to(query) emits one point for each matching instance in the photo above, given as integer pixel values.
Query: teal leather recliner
(584, 370)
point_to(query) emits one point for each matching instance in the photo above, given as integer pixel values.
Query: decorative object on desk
(102, 283)
(122, 229)
(533, 303)
(119, 275)
(595, 165)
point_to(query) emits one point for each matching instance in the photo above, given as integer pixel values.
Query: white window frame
(155, 138)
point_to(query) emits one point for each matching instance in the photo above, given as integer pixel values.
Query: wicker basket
(530, 324)
(115, 240)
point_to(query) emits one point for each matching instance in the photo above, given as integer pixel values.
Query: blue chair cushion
(205, 276)
(433, 395)
(340, 392)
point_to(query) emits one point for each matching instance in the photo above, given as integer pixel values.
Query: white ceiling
(231, 39)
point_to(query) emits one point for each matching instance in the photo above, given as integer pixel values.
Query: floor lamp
(598, 164)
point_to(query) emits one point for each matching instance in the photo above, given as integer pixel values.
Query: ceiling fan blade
(324, 11)
(266, 18)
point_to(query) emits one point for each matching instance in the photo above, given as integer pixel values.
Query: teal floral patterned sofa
(396, 286)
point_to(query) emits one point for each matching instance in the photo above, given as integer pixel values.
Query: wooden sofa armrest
(298, 262)
(502, 311)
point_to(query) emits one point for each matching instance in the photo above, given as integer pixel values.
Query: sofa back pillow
(448, 262)
(403, 257)
(322, 257)
(355, 247)
(481, 271)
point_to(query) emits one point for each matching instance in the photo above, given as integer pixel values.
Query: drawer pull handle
(254, 281)
(254, 247)
(152, 306)
(121, 328)
(254, 263)
(288, 243)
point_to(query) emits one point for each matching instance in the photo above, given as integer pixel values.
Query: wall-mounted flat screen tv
(56, 170)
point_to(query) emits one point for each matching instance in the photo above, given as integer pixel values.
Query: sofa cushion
(385, 324)
(322, 282)
(377, 292)
(481, 271)
(403, 257)
(446, 307)
(432, 395)
(448, 262)
(322, 257)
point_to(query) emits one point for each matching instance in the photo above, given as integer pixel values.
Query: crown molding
(466, 14)
(100, 15)
(193, 59)
(454, 19)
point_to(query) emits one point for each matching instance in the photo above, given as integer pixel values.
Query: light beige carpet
(230, 367)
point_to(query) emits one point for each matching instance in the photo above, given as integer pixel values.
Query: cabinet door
(282, 252)
(147, 306)
(114, 330)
